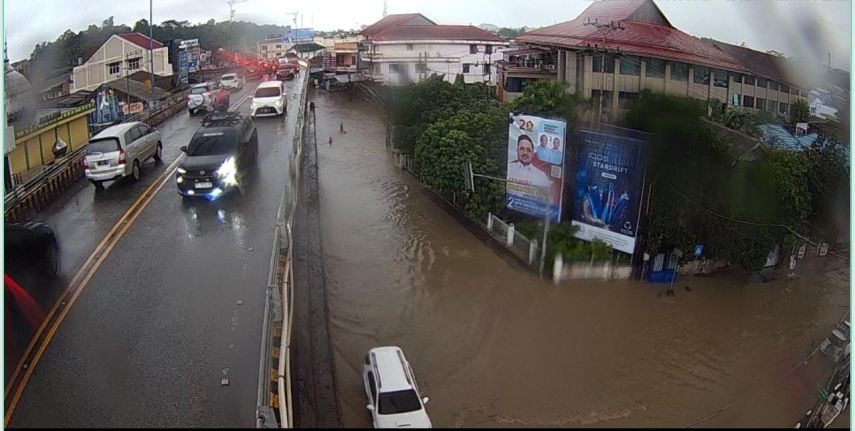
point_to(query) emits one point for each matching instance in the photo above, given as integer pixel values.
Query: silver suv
(119, 151)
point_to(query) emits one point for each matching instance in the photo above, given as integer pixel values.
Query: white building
(119, 56)
(402, 49)
(820, 105)
(273, 48)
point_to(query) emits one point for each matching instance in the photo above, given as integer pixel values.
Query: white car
(269, 99)
(119, 151)
(199, 98)
(232, 81)
(393, 394)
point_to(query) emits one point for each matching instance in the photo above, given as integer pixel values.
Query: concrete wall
(443, 57)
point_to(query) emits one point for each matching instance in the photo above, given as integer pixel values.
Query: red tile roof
(436, 32)
(389, 22)
(140, 40)
(637, 38)
(760, 63)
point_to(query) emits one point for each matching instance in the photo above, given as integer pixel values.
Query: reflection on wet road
(492, 345)
(173, 309)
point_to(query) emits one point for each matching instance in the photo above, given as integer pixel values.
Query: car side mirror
(183, 148)
(425, 400)
(370, 407)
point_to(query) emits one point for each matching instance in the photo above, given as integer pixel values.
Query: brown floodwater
(493, 345)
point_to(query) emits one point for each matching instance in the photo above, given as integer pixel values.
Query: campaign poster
(535, 165)
(608, 189)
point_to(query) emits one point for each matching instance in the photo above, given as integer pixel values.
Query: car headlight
(278, 102)
(228, 172)
(182, 171)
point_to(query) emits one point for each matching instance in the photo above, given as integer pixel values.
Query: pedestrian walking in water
(330, 141)
(341, 128)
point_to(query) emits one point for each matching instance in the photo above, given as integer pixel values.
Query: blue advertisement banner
(607, 195)
(535, 165)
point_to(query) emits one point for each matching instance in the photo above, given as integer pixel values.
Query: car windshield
(227, 77)
(399, 402)
(267, 92)
(199, 90)
(212, 143)
(102, 145)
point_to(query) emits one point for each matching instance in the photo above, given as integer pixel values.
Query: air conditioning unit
(550, 67)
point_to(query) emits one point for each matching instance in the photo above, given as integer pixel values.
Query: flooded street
(493, 345)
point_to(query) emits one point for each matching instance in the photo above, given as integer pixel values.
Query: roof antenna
(384, 9)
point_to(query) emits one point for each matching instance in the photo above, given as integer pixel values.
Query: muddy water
(492, 345)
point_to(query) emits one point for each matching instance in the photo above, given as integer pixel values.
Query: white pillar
(490, 221)
(532, 251)
(557, 268)
(510, 234)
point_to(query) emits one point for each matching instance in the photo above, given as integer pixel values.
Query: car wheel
(158, 154)
(135, 170)
(50, 264)
(99, 185)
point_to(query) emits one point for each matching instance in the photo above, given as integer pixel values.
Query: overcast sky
(801, 28)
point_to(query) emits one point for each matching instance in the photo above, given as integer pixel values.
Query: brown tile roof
(140, 40)
(639, 37)
(389, 22)
(759, 63)
(436, 32)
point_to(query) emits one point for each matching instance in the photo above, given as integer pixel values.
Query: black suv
(218, 154)
(31, 247)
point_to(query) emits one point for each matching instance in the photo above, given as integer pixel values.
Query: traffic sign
(699, 250)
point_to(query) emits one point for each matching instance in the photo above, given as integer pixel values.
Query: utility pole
(150, 53)
(232, 4)
(384, 9)
(605, 29)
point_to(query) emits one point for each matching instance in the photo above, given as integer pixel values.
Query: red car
(285, 73)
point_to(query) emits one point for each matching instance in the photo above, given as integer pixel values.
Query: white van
(119, 151)
(393, 395)
(269, 99)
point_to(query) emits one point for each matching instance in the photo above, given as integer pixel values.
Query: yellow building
(33, 146)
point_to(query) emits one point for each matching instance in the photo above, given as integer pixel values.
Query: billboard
(535, 165)
(298, 34)
(606, 201)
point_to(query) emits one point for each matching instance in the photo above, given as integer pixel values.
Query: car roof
(201, 84)
(268, 84)
(391, 369)
(229, 74)
(117, 130)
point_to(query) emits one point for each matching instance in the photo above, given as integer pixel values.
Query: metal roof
(436, 32)
(391, 21)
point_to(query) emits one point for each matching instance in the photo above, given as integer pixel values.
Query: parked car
(218, 154)
(837, 345)
(393, 395)
(119, 151)
(269, 99)
(31, 246)
(208, 97)
(232, 81)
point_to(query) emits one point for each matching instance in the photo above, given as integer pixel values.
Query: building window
(762, 82)
(773, 85)
(487, 69)
(737, 78)
(784, 89)
(488, 49)
(736, 99)
(397, 68)
(720, 78)
(679, 71)
(772, 106)
(516, 85)
(626, 100)
(466, 67)
(783, 108)
(630, 66)
(749, 80)
(748, 101)
(134, 64)
(760, 103)
(599, 64)
(278, 46)
(421, 68)
(114, 68)
(595, 99)
(795, 91)
(473, 49)
(654, 68)
(701, 75)
(409, 47)
(264, 47)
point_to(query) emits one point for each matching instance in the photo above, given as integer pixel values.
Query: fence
(24, 200)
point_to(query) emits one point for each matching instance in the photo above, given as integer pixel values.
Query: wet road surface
(175, 307)
(492, 345)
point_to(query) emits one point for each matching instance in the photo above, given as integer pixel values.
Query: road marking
(125, 223)
(74, 280)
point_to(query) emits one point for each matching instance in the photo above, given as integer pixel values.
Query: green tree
(549, 99)
(800, 112)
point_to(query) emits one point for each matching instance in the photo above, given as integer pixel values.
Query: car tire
(50, 263)
(158, 154)
(135, 171)
(99, 185)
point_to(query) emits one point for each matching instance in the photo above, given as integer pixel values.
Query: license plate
(104, 163)
(205, 185)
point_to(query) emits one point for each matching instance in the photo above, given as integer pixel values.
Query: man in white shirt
(522, 171)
